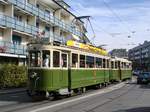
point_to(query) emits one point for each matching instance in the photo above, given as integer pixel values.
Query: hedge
(12, 76)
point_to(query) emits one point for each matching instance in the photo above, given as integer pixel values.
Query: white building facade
(22, 21)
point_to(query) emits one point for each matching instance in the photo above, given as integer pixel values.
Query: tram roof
(38, 47)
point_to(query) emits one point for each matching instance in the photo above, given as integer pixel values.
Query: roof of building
(67, 10)
(145, 44)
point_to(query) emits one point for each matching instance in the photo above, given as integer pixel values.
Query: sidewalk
(10, 91)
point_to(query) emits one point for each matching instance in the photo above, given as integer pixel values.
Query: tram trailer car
(54, 70)
(120, 69)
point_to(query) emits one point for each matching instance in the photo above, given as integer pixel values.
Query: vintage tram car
(63, 70)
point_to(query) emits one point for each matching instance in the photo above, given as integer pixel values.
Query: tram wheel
(39, 96)
(78, 91)
(83, 89)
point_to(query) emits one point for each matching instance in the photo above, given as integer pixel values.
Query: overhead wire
(101, 29)
(116, 15)
(94, 35)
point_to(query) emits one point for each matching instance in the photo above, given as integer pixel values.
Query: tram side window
(82, 61)
(64, 60)
(56, 59)
(89, 62)
(46, 58)
(125, 65)
(116, 65)
(112, 64)
(98, 63)
(104, 63)
(130, 65)
(74, 60)
(35, 59)
(107, 63)
(121, 64)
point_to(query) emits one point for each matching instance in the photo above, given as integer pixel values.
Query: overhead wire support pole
(88, 19)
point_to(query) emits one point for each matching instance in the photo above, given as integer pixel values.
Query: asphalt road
(123, 97)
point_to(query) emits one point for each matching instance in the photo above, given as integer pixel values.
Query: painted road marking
(109, 89)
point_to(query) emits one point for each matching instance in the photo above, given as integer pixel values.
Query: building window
(16, 39)
(17, 17)
(47, 12)
(74, 60)
(1, 34)
(56, 59)
(98, 63)
(89, 62)
(82, 61)
(37, 24)
(37, 5)
(47, 28)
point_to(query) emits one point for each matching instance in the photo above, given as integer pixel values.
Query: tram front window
(35, 59)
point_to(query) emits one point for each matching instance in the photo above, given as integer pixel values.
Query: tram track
(22, 106)
(19, 106)
(107, 101)
(79, 100)
(110, 100)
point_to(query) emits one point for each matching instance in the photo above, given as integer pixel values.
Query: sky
(114, 21)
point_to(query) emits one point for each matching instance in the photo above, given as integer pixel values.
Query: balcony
(53, 37)
(11, 22)
(9, 48)
(32, 9)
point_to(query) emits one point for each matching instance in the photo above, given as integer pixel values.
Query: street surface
(123, 97)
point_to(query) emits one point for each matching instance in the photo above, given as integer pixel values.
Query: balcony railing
(9, 48)
(53, 37)
(11, 22)
(30, 8)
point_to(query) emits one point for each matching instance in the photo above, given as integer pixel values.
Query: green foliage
(12, 76)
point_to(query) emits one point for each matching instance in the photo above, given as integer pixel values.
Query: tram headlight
(33, 75)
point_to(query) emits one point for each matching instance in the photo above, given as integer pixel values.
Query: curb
(3, 92)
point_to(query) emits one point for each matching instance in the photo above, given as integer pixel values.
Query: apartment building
(22, 21)
(140, 56)
(121, 53)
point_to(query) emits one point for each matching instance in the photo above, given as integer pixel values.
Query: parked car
(136, 72)
(143, 77)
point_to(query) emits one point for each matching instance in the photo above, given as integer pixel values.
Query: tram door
(119, 70)
(65, 71)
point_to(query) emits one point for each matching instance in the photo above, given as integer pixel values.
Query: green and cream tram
(64, 70)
